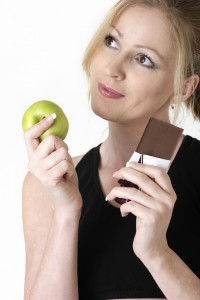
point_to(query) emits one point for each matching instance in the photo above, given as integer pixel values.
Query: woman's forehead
(145, 25)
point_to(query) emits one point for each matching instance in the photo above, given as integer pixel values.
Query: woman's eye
(145, 60)
(111, 42)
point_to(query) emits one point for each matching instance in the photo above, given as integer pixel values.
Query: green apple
(41, 109)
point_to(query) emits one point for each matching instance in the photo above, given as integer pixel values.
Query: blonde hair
(184, 19)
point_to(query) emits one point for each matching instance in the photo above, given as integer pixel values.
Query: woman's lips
(108, 92)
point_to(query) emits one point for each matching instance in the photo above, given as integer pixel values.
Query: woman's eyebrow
(151, 49)
(140, 46)
(119, 33)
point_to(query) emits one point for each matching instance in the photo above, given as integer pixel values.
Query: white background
(41, 46)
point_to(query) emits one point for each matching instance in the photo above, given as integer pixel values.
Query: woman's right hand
(51, 163)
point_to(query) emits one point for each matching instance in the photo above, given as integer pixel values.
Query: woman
(144, 58)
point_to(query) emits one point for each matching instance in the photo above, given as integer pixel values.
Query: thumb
(32, 134)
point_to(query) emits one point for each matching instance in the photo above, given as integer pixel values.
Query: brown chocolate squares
(159, 140)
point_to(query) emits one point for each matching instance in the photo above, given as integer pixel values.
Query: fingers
(131, 194)
(159, 175)
(49, 152)
(55, 158)
(150, 179)
(51, 169)
(50, 144)
(49, 160)
(156, 192)
(32, 135)
(136, 209)
(60, 159)
(58, 173)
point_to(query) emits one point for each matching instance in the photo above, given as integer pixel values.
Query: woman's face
(132, 74)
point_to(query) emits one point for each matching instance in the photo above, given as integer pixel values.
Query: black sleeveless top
(107, 265)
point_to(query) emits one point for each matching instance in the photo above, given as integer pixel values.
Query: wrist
(157, 261)
(61, 217)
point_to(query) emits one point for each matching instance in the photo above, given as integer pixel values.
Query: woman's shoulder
(188, 156)
(191, 144)
(77, 159)
(90, 155)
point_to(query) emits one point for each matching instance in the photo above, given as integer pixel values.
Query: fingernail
(106, 199)
(123, 214)
(51, 117)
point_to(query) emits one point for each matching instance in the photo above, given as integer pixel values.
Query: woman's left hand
(152, 205)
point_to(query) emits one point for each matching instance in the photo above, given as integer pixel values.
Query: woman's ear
(190, 85)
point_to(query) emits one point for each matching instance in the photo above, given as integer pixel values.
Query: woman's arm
(51, 211)
(174, 277)
(51, 247)
(153, 206)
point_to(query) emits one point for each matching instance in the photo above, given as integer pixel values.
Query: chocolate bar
(156, 147)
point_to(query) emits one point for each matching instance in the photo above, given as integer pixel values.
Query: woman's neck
(120, 144)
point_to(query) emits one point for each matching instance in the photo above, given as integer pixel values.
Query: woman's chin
(102, 114)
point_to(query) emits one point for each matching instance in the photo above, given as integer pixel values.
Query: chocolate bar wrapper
(150, 160)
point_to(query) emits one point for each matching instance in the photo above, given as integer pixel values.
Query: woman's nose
(115, 69)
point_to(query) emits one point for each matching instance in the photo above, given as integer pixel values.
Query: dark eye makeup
(142, 58)
(110, 41)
